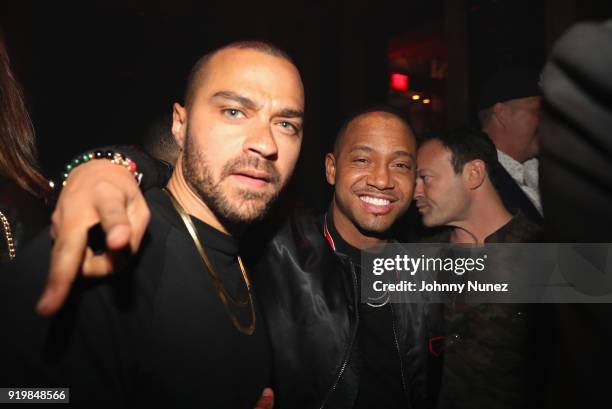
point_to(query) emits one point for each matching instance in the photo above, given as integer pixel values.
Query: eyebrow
(290, 113)
(250, 104)
(404, 153)
(361, 148)
(242, 100)
(369, 149)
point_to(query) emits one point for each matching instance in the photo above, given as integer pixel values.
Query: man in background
(454, 188)
(486, 361)
(509, 112)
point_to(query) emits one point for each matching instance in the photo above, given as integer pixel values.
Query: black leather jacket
(310, 299)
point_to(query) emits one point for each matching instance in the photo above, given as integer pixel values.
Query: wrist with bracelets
(114, 157)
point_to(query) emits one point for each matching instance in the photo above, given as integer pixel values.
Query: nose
(380, 178)
(418, 189)
(261, 141)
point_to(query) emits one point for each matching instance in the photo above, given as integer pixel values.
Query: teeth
(375, 201)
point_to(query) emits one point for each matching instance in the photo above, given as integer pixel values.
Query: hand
(95, 192)
(266, 401)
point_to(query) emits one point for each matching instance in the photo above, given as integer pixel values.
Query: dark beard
(200, 179)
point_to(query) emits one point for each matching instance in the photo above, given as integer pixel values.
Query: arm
(104, 193)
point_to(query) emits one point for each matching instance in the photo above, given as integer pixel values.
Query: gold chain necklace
(9, 236)
(223, 294)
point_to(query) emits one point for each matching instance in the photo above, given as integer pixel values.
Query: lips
(422, 206)
(253, 178)
(254, 174)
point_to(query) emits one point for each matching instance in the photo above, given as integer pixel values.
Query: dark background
(99, 73)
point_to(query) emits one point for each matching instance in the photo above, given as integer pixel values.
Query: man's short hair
(465, 144)
(198, 67)
(367, 110)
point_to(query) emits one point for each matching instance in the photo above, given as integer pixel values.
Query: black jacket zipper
(347, 354)
(399, 354)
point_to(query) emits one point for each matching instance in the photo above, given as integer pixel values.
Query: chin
(375, 227)
(428, 222)
(253, 211)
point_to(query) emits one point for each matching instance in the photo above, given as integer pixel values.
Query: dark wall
(99, 72)
(509, 34)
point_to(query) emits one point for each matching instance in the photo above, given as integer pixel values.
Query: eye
(424, 178)
(360, 160)
(232, 113)
(404, 166)
(289, 127)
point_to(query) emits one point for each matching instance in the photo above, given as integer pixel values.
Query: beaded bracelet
(114, 157)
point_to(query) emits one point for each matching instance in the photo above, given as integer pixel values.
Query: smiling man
(373, 171)
(180, 326)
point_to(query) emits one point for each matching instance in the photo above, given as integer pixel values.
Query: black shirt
(155, 333)
(491, 362)
(380, 384)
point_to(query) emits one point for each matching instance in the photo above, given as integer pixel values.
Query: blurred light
(416, 97)
(426, 101)
(399, 82)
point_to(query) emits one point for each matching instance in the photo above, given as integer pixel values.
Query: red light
(399, 82)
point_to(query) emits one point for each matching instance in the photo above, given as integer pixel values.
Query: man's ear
(474, 174)
(500, 113)
(179, 124)
(330, 168)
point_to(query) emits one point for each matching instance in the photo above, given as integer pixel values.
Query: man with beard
(454, 189)
(486, 361)
(329, 350)
(181, 325)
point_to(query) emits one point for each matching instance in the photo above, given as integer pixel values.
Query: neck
(349, 232)
(504, 143)
(485, 216)
(190, 201)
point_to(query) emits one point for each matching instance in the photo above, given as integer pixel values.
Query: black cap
(508, 84)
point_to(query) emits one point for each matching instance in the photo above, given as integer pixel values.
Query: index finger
(66, 257)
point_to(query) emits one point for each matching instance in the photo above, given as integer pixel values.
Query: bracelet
(114, 157)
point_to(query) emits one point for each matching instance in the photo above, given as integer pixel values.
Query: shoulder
(440, 236)
(298, 228)
(522, 230)
(296, 242)
(19, 205)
